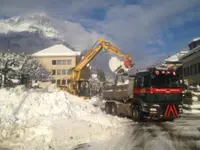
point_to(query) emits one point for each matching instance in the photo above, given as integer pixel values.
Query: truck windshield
(165, 81)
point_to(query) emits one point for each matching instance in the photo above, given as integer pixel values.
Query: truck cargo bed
(119, 92)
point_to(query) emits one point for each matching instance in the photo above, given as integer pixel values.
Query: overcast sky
(149, 30)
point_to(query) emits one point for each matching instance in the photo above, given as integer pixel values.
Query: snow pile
(27, 114)
(21, 105)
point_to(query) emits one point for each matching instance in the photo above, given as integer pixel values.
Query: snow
(57, 50)
(123, 83)
(31, 23)
(15, 64)
(15, 81)
(176, 57)
(195, 98)
(94, 75)
(196, 39)
(42, 118)
(116, 66)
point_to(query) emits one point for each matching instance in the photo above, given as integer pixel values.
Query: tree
(35, 70)
(101, 75)
(95, 84)
(14, 65)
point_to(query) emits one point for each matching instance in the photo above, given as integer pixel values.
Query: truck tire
(136, 113)
(108, 108)
(113, 109)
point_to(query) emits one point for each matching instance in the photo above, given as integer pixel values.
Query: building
(191, 63)
(175, 63)
(60, 60)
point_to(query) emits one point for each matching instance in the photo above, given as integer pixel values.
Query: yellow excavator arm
(101, 44)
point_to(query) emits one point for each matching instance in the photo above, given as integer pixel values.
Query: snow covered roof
(195, 39)
(191, 52)
(176, 57)
(57, 50)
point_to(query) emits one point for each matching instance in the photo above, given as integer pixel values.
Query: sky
(149, 30)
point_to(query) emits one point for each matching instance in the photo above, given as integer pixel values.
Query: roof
(195, 39)
(176, 57)
(191, 52)
(57, 50)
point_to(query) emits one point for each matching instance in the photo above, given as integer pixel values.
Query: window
(58, 82)
(69, 62)
(63, 82)
(58, 62)
(64, 72)
(63, 62)
(69, 72)
(188, 71)
(138, 81)
(164, 80)
(53, 72)
(53, 81)
(53, 62)
(146, 81)
(68, 81)
(185, 71)
(195, 69)
(59, 72)
(191, 73)
(199, 68)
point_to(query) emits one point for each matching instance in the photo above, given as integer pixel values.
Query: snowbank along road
(53, 120)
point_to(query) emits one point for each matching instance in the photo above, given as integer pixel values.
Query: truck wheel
(108, 108)
(113, 109)
(136, 112)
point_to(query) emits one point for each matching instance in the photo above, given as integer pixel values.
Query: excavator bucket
(120, 67)
(128, 63)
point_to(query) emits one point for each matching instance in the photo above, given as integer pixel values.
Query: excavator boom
(100, 44)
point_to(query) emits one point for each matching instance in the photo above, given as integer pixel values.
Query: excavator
(75, 80)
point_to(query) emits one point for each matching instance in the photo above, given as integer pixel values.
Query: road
(182, 134)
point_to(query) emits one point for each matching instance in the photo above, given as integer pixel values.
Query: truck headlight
(153, 109)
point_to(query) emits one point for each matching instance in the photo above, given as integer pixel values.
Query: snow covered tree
(14, 65)
(101, 75)
(34, 69)
(95, 84)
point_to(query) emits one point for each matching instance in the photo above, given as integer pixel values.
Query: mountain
(33, 32)
(30, 33)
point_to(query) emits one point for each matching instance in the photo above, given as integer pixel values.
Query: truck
(151, 94)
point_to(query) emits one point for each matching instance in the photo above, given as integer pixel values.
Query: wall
(46, 61)
(193, 75)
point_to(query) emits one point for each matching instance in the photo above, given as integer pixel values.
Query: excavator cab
(83, 89)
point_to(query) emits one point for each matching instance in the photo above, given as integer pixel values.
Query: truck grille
(165, 98)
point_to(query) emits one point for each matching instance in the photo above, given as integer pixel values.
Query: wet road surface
(181, 134)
